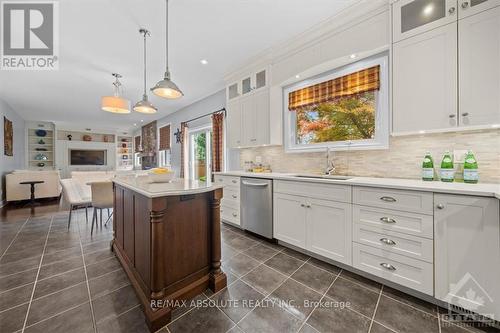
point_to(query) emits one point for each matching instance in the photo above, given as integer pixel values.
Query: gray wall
(9, 163)
(209, 104)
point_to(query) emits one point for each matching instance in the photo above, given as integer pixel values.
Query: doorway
(200, 153)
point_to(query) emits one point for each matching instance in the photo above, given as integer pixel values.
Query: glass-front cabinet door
(470, 7)
(413, 17)
(232, 91)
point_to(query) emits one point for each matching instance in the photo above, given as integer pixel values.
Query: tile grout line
(376, 307)
(57, 314)
(37, 274)
(270, 293)
(321, 299)
(15, 237)
(86, 276)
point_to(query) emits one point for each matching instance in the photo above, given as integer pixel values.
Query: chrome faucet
(330, 165)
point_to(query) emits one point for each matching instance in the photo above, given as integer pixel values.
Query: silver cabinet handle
(440, 206)
(302, 205)
(255, 184)
(253, 140)
(308, 205)
(388, 266)
(388, 199)
(452, 116)
(234, 196)
(234, 181)
(234, 214)
(387, 241)
(465, 4)
(451, 10)
(387, 220)
(465, 114)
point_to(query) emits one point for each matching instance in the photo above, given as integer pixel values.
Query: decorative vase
(41, 132)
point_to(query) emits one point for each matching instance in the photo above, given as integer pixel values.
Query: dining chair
(102, 198)
(75, 196)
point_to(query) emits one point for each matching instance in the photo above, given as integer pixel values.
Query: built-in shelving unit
(40, 146)
(124, 153)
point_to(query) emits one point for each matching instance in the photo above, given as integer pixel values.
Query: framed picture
(8, 137)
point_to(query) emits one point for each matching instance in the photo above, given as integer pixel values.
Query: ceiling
(98, 37)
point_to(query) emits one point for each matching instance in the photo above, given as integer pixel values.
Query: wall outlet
(459, 155)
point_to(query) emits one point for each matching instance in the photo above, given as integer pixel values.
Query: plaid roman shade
(217, 141)
(164, 143)
(355, 83)
(137, 143)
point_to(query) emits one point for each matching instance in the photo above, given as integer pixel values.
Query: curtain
(352, 84)
(164, 142)
(137, 143)
(184, 144)
(217, 141)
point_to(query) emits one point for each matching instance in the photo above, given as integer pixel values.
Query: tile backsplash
(403, 159)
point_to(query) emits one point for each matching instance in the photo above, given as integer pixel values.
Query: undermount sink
(332, 177)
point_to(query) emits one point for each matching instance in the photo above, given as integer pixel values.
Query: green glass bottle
(428, 167)
(447, 168)
(471, 174)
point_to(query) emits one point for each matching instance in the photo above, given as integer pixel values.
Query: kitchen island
(167, 238)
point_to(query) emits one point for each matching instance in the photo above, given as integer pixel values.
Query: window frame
(382, 115)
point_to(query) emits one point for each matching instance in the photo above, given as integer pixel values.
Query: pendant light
(144, 105)
(167, 88)
(115, 103)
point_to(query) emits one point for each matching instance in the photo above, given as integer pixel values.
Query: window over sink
(345, 108)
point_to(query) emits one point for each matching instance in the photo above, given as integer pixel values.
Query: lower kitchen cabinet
(467, 252)
(289, 219)
(320, 226)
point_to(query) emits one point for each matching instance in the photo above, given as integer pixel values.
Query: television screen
(87, 157)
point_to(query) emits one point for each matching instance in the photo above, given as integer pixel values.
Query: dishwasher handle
(254, 184)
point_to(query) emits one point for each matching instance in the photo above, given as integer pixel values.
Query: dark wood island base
(169, 246)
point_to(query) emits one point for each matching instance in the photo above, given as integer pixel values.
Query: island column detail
(169, 244)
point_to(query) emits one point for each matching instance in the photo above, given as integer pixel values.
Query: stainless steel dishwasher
(257, 206)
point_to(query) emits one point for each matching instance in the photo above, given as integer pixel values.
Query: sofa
(15, 191)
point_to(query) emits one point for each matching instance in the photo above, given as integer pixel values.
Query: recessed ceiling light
(204, 61)
(297, 76)
(135, 124)
(142, 120)
(353, 56)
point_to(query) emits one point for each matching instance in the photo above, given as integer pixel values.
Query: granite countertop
(480, 189)
(179, 186)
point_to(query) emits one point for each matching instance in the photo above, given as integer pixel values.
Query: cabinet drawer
(393, 220)
(407, 245)
(228, 180)
(230, 214)
(408, 272)
(231, 193)
(408, 201)
(332, 192)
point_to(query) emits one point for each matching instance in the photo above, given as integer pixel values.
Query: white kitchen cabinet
(248, 120)
(479, 68)
(329, 231)
(320, 226)
(234, 126)
(425, 81)
(289, 219)
(413, 17)
(471, 7)
(467, 252)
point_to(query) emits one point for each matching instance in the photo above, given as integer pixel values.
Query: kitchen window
(346, 108)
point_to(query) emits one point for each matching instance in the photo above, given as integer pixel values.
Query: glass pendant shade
(145, 106)
(116, 103)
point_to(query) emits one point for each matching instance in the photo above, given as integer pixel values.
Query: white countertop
(179, 186)
(480, 189)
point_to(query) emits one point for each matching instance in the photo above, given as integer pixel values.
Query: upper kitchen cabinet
(425, 81)
(248, 110)
(479, 68)
(470, 7)
(413, 17)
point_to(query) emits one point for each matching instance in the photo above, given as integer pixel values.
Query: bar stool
(102, 198)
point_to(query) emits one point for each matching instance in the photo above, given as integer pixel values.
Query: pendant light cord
(145, 71)
(166, 32)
